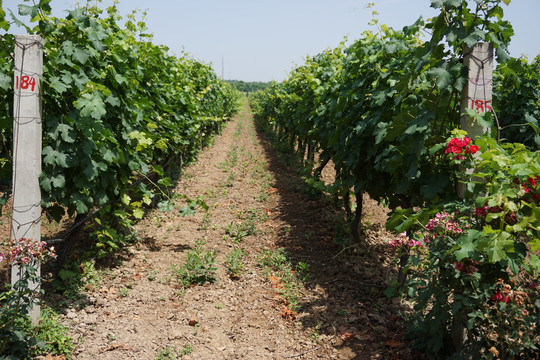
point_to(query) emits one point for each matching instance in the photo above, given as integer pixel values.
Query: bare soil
(139, 308)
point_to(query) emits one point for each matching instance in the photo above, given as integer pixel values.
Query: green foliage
(198, 268)
(277, 259)
(378, 106)
(120, 109)
(173, 353)
(248, 86)
(247, 225)
(302, 269)
(234, 264)
(18, 339)
(471, 265)
(381, 110)
(15, 339)
(516, 94)
(50, 332)
(239, 230)
(280, 271)
(74, 277)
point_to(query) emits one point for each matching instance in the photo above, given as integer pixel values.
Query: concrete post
(26, 220)
(477, 93)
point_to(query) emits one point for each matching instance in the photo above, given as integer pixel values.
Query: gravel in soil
(139, 308)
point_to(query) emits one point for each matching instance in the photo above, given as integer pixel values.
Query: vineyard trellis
(386, 110)
(121, 115)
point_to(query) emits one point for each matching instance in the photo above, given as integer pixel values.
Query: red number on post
(26, 82)
(481, 105)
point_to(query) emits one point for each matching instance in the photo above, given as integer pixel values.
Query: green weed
(277, 264)
(73, 279)
(124, 292)
(52, 334)
(238, 231)
(151, 274)
(199, 266)
(173, 353)
(233, 262)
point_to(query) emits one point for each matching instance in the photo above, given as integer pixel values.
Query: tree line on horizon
(248, 86)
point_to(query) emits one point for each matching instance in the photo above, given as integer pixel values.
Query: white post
(26, 220)
(477, 94)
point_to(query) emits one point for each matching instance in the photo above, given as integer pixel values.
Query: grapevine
(117, 109)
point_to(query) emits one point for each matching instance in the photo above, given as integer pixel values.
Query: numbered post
(26, 219)
(477, 94)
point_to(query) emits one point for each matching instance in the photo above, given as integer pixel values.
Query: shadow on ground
(350, 306)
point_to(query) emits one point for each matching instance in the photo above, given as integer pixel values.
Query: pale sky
(263, 40)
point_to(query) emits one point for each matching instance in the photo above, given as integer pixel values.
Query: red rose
(499, 297)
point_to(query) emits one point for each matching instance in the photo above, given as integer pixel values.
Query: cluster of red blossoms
(506, 294)
(499, 297)
(531, 194)
(460, 147)
(529, 188)
(482, 211)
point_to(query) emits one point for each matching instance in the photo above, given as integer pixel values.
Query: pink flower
(445, 221)
(2, 257)
(24, 251)
(413, 243)
(436, 221)
(403, 240)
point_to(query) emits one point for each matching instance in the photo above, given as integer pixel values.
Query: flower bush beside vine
(16, 341)
(472, 274)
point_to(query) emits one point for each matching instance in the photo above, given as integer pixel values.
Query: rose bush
(469, 274)
(16, 303)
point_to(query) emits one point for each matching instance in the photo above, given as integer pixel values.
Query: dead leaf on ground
(347, 334)
(114, 347)
(393, 343)
(287, 313)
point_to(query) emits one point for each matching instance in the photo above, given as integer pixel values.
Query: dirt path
(140, 311)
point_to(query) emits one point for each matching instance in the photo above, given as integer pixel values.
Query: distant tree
(248, 86)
